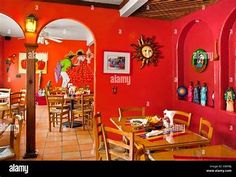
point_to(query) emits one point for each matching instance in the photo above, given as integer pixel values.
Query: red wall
(56, 52)
(146, 84)
(191, 35)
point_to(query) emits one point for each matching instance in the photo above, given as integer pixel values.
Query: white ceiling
(8, 27)
(67, 29)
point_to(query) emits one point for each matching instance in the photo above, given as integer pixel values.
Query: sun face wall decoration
(147, 51)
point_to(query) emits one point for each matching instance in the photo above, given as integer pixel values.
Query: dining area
(69, 105)
(157, 138)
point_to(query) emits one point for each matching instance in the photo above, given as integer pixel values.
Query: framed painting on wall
(41, 63)
(116, 62)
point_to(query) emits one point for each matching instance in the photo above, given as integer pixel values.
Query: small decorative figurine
(190, 92)
(230, 97)
(196, 92)
(203, 94)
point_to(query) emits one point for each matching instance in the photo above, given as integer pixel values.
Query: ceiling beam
(131, 6)
(83, 3)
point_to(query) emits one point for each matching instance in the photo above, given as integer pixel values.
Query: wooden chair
(14, 104)
(4, 98)
(11, 151)
(181, 117)
(57, 109)
(97, 134)
(23, 103)
(110, 143)
(83, 110)
(15, 99)
(130, 111)
(205, 128)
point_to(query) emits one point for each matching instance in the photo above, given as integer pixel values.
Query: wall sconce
(114, 89)
(31, 23)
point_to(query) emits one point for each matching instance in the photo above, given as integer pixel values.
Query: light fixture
(31, 23)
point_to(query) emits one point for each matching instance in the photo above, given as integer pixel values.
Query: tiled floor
(71, 144)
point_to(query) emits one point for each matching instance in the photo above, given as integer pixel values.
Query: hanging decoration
(89, 55)
(199, 60)
(147, 51)
(10, 60)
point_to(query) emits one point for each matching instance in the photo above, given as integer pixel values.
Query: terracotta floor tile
(53, 144)
(52, 150)
(86, 146)
(87, 153)
(54, 138)
(70, 155)
(70, 148)
(74, 142)
(69, 138)
(52, 156)
(85, 141)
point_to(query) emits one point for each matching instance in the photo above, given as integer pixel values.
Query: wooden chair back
(110, 142)
(56, 108)
(97, 133)
(15, 100)
(181, 117)
(5, 95)
(131, 111)
(205, 128)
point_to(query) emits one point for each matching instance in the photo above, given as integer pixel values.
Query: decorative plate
(182, 91)
(199, 60)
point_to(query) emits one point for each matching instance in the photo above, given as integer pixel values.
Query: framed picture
(116, 62)
(41, 63)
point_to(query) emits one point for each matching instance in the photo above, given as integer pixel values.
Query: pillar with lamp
(30, 29)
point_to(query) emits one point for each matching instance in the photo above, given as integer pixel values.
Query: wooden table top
(160, 142)
(214, 152)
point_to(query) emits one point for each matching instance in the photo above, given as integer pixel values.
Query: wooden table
(161, 142)
(215, 152)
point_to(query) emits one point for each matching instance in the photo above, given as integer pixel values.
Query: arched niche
(11, 43)
(59, 38)
(195, 35)
(228, 56)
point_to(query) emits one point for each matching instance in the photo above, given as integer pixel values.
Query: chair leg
(50, 123)
(70, 125)
(60, 124)
(72, 120)
(83, 122)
